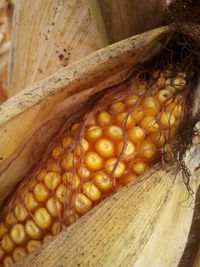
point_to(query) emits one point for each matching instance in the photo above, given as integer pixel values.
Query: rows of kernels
(73, 181)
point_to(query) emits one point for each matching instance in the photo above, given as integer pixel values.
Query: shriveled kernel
(30, 202)
(33, 230)
(3, 230)
(93, 161)
(157, 138)
(110, 164)
(42, 218)
(136, 134)
(8, 262)
(94, 133)
(66, 141)
(131, 100)
(105, 148)
(1, 253)
(57, 152)
(72, 180)
(53, 166)
(91, 191)
(84, 173)
(41, 193)
(56, 228)
(81, 203)
(117, 107)
(123, 119)
(68, 162)
(163, 96)
(167, 119)
(103, 181)
(127, 178)
(179, 82)
(150, 106)
(54, 207)
(139, 167)
(18, 233)
(7, 244)
(70, 216)
(129, 149)
(10, 218)
(51, 180)
(62, 193)
(82, 147)
(146, 149)
(104, 118)
(20, 212)
(114, 133)
(33, 245)
(18, 253)
(74, 126)
(149, 124)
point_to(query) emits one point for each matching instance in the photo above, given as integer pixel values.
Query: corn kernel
(104, 118)
(110, 164)
(93, 161)
(149, 124)
(33, 245)
(20, 212)
(2, 230)
(139, 167)
(73, 180)
(33, 230)
(129, 149)
(1, 253)
(94, 133)
(70, 216)
(114, 133)
(105, 148)
(7, 243)
(32, 184)
(131, 100)
(83, 147)
(56, 228)
(10, 218)
(84, 173)
(42, 218)
(54, 207)
(8, 262)
(18, 253)
(157, 138)
(163, 96)
(136, 134)
(167, 120)
(91, 121)
(146, 149)
(68, 162)
(52, 166)
(74, 127)
(41, 175)
(62, 193)
(127, 178)
(91, 191)
(51, 180)
(18, 234)
(103, 181)
(137, 114)
(57, 152)
(117, 107)
(30, 202)
(81, 203)
(124, 119)
(47, 238)
(150, 106)
(66, 141)
(41, 193)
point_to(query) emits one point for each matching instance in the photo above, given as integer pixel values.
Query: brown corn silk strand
(118, 140)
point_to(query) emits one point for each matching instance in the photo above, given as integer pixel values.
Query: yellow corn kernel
(8, 262)
(68, 162)
(91, 191)
(52, 166)
(3, 230)
(123, 119)
(81, 203)
(129, 149)
(146, 149)
(83, 147)
(94, 133)
(157, 138)
(117, 107)
(114, 133)
(32, 184)
(103, 181)
(56, 228)
(18, 233)
(137, 114)
(66, 141)
(149, 124)
(57, 152)
(136, 134)
(42, 218)
(104, 118)
(33, 230)
(62, 193)
(54, 207)
(139, 167)
(47, 238)
(70, 216)
(84, 173)
(33, 245)
(110, 164)
(41, 175)
(93, 161)
(18, 253)
(105, 148)
(10, 218)
(91, 121)
(167, 120)
(127, 178)
(74, 127)
(7, 244)
(1, 253)
(179, 82)
(51, 180)
(41, 193)
(150, 106)
(131, 100)
(30, 202)
(163, 96)
(71, 179)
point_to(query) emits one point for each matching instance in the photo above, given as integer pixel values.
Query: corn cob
(106, 150)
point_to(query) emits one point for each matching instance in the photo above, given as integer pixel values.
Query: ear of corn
(110, 147)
